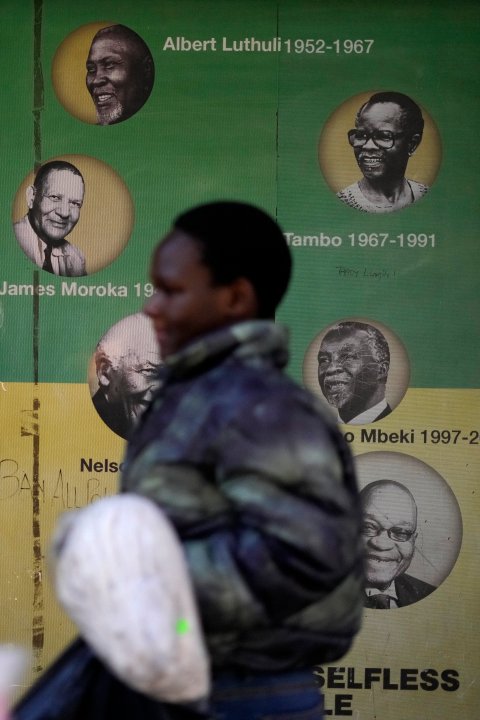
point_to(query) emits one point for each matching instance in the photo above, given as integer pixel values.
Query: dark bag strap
(77, 686)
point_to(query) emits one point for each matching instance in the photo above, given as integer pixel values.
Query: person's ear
(414, 142)
(382, 371)
(104, 367)
(30, 193)
(147, 68)
(241, 300)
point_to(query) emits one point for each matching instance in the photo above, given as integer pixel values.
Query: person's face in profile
(115, 78)
(133, 381)
(379, 124)
(348, 373)
(54, 208)
(185, 304)
(389, 533)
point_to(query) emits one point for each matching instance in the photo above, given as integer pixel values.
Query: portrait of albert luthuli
(380, 152)
(102, 73)
(119, 73)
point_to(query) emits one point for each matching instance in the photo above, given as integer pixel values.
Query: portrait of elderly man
(389, 533)
(353, 364)
(120, 73)
(388, 130)
(54, 203)
(127, 360)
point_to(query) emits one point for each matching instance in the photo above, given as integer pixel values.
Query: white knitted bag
(121, 575)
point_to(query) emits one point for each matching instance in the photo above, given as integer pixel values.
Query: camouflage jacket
(260, 487)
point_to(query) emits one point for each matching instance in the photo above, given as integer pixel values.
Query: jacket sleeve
(269, 521)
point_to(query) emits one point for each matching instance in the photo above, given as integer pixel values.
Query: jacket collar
(257, 340)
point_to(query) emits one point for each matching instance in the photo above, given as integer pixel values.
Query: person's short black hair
(413, 118)
(366, 491)
(240, 240)
(376, 339)
(44, 171)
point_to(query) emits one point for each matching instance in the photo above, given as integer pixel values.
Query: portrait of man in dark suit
(353, 364)
(54, 202)
(389, 533)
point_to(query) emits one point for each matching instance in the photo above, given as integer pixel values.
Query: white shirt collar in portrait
(367, 416)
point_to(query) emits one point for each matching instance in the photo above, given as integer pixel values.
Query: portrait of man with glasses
(389, 533)
(388, 130)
